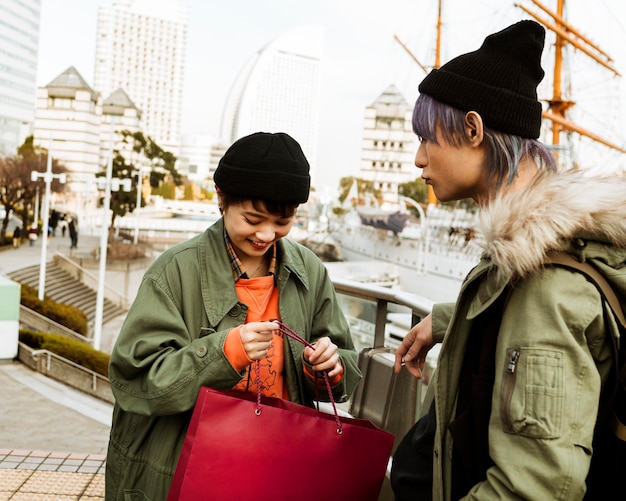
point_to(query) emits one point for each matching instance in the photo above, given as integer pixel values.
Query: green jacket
(172, 342)
(542, 413)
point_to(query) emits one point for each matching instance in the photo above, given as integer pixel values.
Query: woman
(202, 317)
(526, 355)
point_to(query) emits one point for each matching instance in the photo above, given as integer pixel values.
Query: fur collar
(520, 227)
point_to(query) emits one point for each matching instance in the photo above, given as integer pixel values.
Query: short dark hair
(282, 209)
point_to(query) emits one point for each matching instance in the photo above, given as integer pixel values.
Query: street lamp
(139, 174)
(108, 183)
(47, 177)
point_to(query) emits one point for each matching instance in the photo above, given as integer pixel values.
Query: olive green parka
(553, 351)
(171, 344)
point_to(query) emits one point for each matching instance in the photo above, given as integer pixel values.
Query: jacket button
(235, 311)
(201, 351)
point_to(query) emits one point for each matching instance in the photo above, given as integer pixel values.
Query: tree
(162, 162)
(417, 190)
(17, 190)
(363, 186)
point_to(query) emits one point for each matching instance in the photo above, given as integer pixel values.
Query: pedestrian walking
(71, 226)
(32, 235)
(17, 237)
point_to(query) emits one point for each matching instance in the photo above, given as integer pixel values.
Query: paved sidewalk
(53, 439)
(13, 259)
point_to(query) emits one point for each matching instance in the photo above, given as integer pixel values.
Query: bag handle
(287, 331)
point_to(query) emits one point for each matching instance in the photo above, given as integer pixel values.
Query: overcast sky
(361, 57)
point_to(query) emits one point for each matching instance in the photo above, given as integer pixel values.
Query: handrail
(419, 306)
(98, 382)
(122, 299)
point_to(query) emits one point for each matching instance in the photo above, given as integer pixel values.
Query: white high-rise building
(278, 90)
(389, 144)
(140, 47)
(19, 44)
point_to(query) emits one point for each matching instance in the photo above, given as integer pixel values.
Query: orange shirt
(261, 296)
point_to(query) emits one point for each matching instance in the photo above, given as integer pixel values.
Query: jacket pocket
(532, 393)
(135, 495)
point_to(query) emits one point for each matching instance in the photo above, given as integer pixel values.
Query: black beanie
(499, 80)
(266, 166)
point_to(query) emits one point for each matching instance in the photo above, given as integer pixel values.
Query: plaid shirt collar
(238, 269)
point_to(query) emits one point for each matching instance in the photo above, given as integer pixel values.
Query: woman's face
(253, 231)
(454, 172)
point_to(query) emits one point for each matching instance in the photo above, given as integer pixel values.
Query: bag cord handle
(287, 331)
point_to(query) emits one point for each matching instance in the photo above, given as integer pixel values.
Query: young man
(526, 363)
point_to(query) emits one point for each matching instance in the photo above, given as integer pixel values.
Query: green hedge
(71, 317)
(76, 351)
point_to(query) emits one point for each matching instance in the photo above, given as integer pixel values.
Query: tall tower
(278, 90)
(140, 47)
(19, 36)
(389, 144)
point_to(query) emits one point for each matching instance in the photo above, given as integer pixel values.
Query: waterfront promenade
(53, 439)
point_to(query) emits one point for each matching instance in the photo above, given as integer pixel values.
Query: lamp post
(47, 177)
(109, 183)
(104, 236)
(139, 174)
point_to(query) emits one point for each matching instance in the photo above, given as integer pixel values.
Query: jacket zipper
(508, 385)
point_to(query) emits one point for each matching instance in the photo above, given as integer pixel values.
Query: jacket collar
(554, 210)
(218, 287)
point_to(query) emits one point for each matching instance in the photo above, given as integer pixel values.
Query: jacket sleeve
(547, 388)
(159, 361)
(441, 315)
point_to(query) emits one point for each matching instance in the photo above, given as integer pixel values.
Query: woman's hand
(413, 350)
(256, 338)
(325, 356)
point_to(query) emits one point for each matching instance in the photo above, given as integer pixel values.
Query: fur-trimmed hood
(521, 226)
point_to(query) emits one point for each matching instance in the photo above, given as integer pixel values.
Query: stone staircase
(64, 288)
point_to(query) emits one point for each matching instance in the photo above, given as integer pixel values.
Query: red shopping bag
(244, 446)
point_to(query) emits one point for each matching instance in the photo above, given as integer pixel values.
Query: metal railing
(90, 279)
(67, 372)
(392, 402)
(389, 304)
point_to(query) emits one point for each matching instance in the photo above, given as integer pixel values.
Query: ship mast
(558, 106)
(432, 199)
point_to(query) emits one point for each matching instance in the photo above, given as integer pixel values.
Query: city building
(19, 37)
(194, 160)
(141, 47)
(389, 144)
(278, 90)
(68, 123)
(81, 131)
(127, 117)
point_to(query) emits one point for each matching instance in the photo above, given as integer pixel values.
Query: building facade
(67, 124)
(141, 48)
(278, 90)
(81, 130)
(19, 44)
(389, 144)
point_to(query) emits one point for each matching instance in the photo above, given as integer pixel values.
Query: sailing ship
(433, 254)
